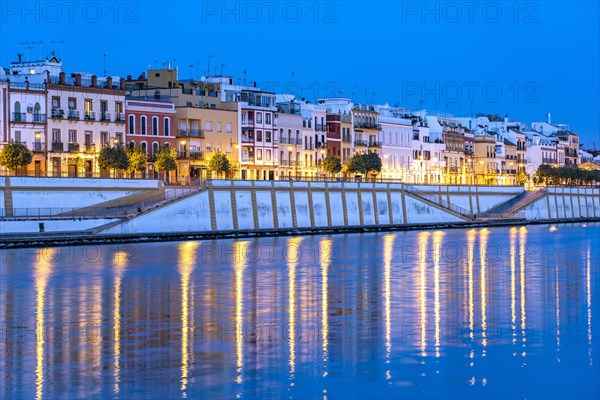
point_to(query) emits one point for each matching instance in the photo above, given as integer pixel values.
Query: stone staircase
(436, 201)
(510, 209)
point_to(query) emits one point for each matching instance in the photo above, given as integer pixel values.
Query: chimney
(549, 119)
(122, 84)
(61, 78)
(109, 82)
(94, 81)
(128, 77)
(26, 84)
(78, 80)
(20, 56)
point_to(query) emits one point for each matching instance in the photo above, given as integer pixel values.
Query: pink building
(149, 125)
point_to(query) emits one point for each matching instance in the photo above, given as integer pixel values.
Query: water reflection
(463, 314)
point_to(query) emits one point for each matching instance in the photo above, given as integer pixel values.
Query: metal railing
(437, 200)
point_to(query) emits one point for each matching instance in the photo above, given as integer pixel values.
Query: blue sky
(523, 59)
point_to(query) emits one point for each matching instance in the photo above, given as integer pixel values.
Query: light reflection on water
(505, 312)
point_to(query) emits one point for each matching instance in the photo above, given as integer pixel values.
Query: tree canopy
(365, 163)
(331, 164)
(14, 156)
(565, 175)
(137, 160)
(219, 163)
(113, 158)
(165, 159)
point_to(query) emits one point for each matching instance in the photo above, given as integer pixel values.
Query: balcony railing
(366, 125)
(247, 139)
(549, 161)
(320, 127)
(284, 140)
(247, 158)
(320, 145)
(104, 117)
(39, 147)
(58, 147)
(360, 143)
(346, 138)
(73, 147)
(375, 144)
(89, 116)
(193, 155)
(57, 113)
(248, 122)
(73, 114)
(120, 118)
(309, 146)
(194, 133)
(19, 117)
(90, 147)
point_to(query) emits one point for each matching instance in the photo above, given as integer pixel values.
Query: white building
(396, 139)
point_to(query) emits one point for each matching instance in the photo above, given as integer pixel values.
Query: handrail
(438, 201)
(524, 202)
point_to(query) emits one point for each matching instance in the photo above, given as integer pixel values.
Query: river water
(508, 312)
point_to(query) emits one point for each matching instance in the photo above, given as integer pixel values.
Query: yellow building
(201, 133)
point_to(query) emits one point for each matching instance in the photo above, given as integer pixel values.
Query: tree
(219, 163)
(113, 157)
(373, 162)
(331, 164)
(165, 160)
(358, 164)
(137, 160)
(15, 155)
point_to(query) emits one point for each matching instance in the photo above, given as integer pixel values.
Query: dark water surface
(500, 312)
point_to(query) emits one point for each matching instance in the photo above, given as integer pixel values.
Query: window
(118, 107)
(259, 136)
(55, 102)
(104, 138)
(268, 118)
(218, 127)
(143, 123)
(155, 126)
(56, 136)
(167, 127)
(144, 147)
(154, 148)
(259, 118)
(18, 136)
(268, 155)
(72, 136)
(259, 154)
(209, 126)
(228, 128)
(88, 107)
(88, 138)
(208, 147)
(268, 136)
(119, 137)
(72, 103)
(131, 125)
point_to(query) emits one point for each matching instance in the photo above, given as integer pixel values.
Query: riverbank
(81, 239)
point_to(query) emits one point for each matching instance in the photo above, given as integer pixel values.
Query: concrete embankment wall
(249, 205)
(565, 202)
(55, 194)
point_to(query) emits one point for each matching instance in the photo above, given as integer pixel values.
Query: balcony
(367, 125)
(73, 147)
(247, 122)
(90, 148)
(193, 133)
(73, 114)
(346, 138)
(247, 139)
(40, 118)
(247, 159)
(58, 147)
(415, 135)
(375, 144)
(360, 143)
(549, 161)
(120, 118)
(104, 117)
(193, 155)
(320, 145)
(39, 147)
(284, 140)
(57, 113)
(309, 146)
(321, 127)
(89, 116)
(18, 117)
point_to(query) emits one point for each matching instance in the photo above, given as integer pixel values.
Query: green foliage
(364, 163)
(522, 178)
(137, 160)
(165, 159)
(113, 158)
(15, 155)
(219, 163)
(331, 164)
(565, 175)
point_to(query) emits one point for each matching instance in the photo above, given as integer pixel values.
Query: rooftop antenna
(245, 71)
(222, 66)
(191, 66)
(373, 98)
(208, 69)
(105, 55)
(40, 48)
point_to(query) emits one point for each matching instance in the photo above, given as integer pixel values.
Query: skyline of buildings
(65, 119)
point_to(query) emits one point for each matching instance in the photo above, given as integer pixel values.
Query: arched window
(131, 144)
(17, 115)
(143, 124)
(144, 147)
(132, 125)
(155, 126)
(154, 148)
(36, 110)
(167, 129)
